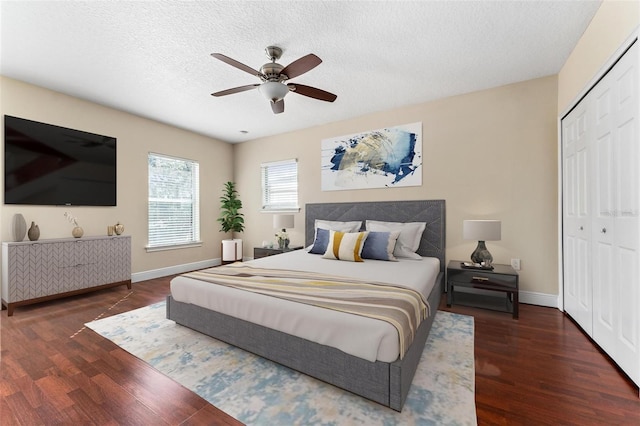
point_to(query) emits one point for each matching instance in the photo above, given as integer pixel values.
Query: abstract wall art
(383, 158)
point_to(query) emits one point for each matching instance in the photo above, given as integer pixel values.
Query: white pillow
(332, 225)
(409, 239)
(345, 246)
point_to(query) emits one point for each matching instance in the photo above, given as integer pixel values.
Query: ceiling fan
(274, 78)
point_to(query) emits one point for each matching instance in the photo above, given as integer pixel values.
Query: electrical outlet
(515, 264)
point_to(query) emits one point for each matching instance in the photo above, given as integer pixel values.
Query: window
(280, 186)
(174, 211)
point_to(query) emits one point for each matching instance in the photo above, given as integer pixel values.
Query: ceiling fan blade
(312, 92)
(302, 65)
(237, 64)
(235, 90)
(277, 107)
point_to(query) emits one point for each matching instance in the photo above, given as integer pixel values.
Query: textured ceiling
(153, 58)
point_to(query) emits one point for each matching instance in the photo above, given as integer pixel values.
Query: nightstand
(501, 279)
(259, 252)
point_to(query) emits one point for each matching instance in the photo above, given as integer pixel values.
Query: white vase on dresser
(18, 227)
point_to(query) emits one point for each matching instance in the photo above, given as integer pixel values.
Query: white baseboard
(172, 270)
(540, 299)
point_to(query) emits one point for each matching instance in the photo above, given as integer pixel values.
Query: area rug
(260, 392)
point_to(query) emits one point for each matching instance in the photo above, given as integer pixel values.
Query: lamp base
(481, 254)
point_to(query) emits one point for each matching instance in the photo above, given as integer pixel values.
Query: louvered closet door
(616, 201)
(576, 216)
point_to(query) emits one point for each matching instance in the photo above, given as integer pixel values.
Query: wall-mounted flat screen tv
(52, 165)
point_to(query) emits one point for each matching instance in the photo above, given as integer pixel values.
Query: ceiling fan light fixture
(273, 77)
(273, 90)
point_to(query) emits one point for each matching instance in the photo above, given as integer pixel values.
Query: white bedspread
(363, 337)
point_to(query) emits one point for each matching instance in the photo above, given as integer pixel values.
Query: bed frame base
(382, 382)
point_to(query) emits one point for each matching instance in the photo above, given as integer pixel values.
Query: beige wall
(489, 154)
(610, 27)
(136, 138)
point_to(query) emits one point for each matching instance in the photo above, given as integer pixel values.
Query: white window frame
(280, 181)
(176, 235)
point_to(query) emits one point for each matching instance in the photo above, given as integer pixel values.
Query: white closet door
(576, 216)
(616, 200)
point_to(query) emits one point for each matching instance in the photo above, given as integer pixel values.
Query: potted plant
(231, 220)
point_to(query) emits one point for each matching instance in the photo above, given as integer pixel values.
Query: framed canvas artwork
(384, 158)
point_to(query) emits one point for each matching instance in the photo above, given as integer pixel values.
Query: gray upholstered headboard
(432, 212)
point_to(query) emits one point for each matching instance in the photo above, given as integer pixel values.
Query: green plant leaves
(231, 220)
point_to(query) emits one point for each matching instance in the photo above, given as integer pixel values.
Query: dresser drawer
(482, 279)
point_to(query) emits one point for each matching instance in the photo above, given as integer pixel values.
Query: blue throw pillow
(380, 245)
(321, 242)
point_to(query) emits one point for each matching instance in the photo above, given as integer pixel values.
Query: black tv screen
(52, 165)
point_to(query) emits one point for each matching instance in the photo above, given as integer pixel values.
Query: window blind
(174, 213)
(280, 185)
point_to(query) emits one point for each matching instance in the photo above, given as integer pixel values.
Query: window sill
(173, 247)
(292, 210)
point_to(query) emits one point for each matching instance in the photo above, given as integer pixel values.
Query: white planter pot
(232, 250)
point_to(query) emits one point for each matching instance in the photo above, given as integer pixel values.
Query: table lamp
(481, 230)
(283, 221)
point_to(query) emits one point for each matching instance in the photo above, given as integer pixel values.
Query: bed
(381, 377)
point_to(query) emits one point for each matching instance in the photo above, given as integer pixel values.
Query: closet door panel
(569, 208)
(616, 237)
(627, 223)
(576, 221)
(605, 295)
(604, 179)
(604, 199)
(626, 351)
(584, 311)
(628, 292)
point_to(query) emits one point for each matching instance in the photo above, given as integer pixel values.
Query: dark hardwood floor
(540, 369)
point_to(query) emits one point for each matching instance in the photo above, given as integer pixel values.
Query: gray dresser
(36, 271)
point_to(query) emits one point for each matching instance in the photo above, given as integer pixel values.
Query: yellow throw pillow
(345, 245)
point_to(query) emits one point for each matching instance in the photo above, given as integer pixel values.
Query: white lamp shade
(283, 221)
(273, 90)
(481, 230)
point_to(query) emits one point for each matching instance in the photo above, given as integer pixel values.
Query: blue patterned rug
(259, 392)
